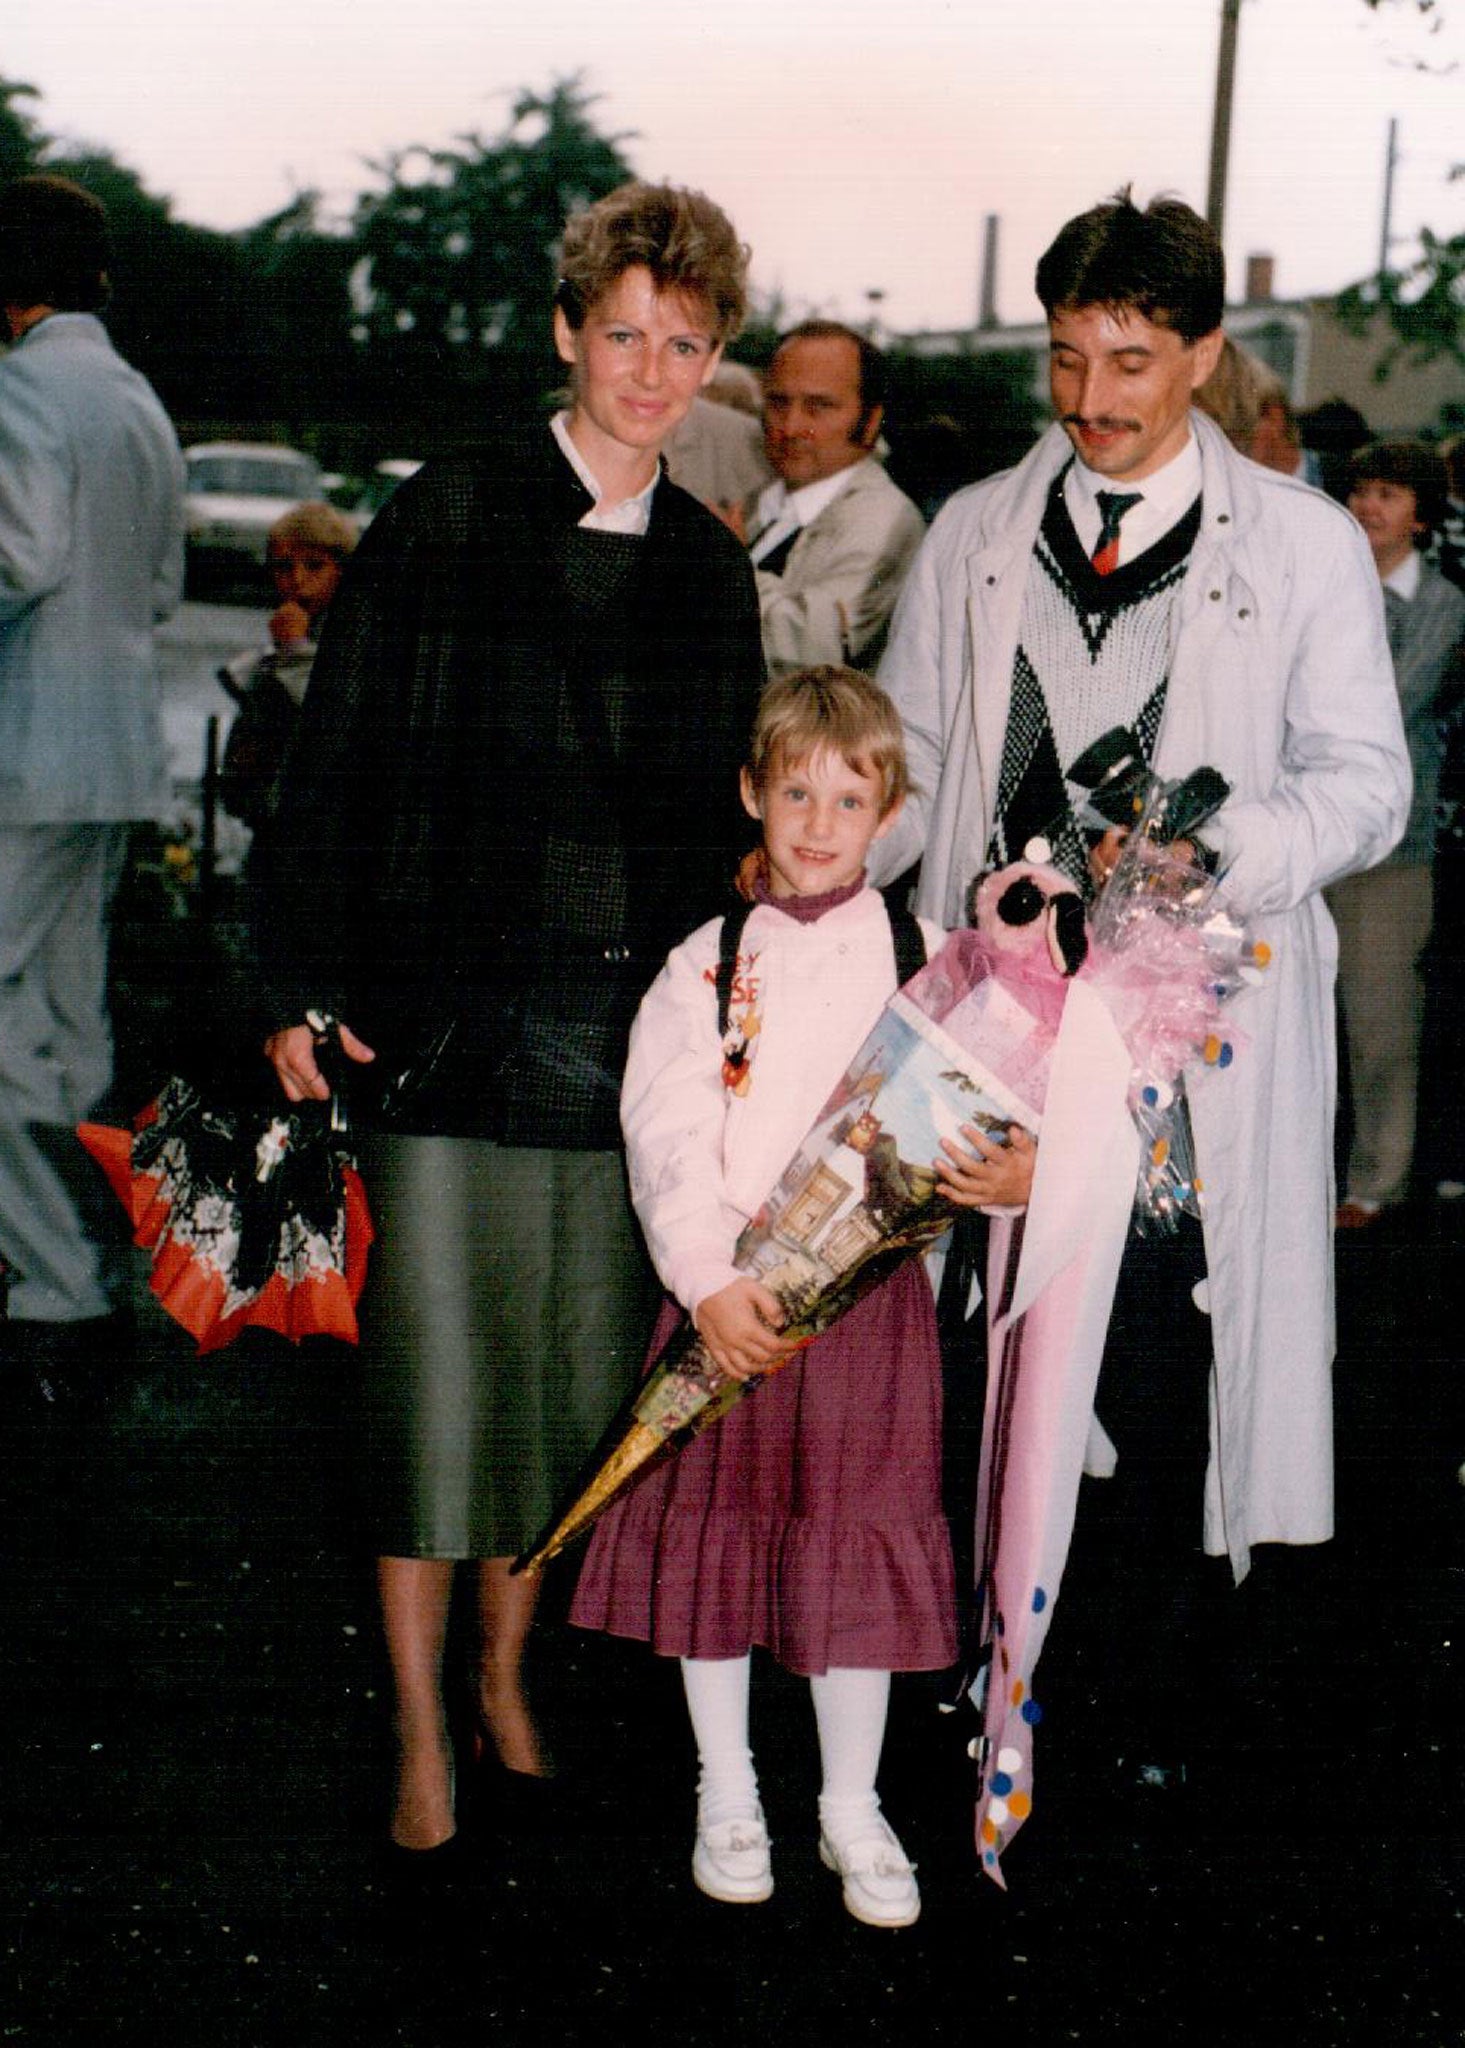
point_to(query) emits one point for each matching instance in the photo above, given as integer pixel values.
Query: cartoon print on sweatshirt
(744, 1022)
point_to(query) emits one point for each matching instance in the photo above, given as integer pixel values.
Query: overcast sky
(857, 144)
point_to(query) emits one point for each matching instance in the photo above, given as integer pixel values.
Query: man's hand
(739, 1326)
(292, 1055)
(989, 1176)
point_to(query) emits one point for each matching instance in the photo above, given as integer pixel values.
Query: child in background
(306, 551)
(808, 1521)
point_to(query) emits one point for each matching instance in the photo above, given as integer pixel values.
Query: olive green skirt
(505, 1316)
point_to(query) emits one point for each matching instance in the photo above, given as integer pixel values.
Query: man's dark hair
(1164, 263)
(872, 373)
(54, 246)
(1411, 466)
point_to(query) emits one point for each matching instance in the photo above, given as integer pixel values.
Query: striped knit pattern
(1093, 652)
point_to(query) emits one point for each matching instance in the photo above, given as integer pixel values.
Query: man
(1135, 570)
(831, 538)
(1398, 494)
(91, 556)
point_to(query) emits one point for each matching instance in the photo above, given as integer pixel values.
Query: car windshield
(251, 476)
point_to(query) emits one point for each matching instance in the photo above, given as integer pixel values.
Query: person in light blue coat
(91, 558)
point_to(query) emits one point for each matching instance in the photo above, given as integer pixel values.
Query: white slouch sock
(849, 1710)
(717, 1701)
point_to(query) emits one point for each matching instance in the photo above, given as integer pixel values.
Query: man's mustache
(1102, 424)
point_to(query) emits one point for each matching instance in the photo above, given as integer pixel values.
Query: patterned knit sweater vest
(1093, 652)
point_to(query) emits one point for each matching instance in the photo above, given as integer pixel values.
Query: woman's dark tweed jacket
(408, 850)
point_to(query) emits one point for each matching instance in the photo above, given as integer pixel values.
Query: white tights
(849, 1713)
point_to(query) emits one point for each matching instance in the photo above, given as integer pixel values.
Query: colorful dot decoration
(1040, 1599)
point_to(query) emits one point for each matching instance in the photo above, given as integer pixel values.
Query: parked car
(379, 486)
(235, 492)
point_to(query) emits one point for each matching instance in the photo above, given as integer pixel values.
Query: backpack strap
(727, 960)
(907, 938)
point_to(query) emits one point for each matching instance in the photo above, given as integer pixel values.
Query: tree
(21, 141)
(457, 253)
(1423, 306)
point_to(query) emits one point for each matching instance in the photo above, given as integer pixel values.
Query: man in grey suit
(831, 538)
(91, 557)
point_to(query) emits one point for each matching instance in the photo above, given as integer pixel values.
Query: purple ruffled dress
(808, 1521)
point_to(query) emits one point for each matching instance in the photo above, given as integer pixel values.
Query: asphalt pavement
(193, 1701)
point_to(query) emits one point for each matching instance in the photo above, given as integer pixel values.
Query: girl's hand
(989, 1176)
(739, 1325)
(292, 1055)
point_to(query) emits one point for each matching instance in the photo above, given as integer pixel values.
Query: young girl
(809, 1520)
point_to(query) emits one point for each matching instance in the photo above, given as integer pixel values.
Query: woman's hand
(292, 1055)
(989, 1176)
(739, 1325)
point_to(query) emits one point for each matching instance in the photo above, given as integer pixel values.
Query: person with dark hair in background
(1135, 570)
(831, 538)
(91, 559)
(512, 788)
(1398, 495)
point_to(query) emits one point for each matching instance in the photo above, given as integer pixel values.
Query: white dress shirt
(781, 512)
(632, 515)
(1165, 497)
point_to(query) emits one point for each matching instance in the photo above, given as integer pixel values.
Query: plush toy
(1026, 908)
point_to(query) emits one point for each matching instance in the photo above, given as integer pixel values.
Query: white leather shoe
(879, 1880)
(731, 1864)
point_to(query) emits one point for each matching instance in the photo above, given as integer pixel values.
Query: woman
(518, 751)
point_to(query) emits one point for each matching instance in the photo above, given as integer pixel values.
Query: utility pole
(1221, 117)
(1386, 227)
(987, 285)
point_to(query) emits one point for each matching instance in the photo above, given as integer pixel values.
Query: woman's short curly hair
(687, 243)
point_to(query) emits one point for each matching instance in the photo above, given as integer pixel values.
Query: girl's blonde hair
(835, 708)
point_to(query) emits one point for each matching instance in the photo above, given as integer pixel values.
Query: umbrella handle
(330, 1057)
